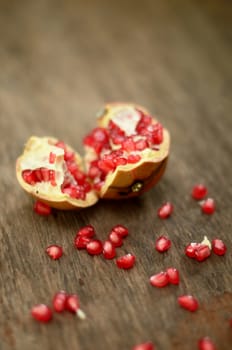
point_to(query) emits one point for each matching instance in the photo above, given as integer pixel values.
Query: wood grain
(60, 61)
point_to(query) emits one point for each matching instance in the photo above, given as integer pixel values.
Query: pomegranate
(57, 180)
(126, 154)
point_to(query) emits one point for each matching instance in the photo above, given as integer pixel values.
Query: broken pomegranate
(53, 173)
(126, 154)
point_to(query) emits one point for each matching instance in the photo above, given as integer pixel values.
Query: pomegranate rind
(55, 199)
(131, 180)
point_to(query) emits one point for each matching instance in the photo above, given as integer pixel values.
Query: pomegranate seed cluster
(75, 182)
(123, 141)
(61, 301)
(84, 240)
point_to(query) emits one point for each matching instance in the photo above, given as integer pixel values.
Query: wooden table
(60, 61)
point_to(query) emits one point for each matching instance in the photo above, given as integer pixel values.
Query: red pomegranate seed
(159, 280)
(202, 252)
(190, 249)
(86, 231)
(52, 158)
(45, 174)
(162, 244)
(199, 191)
(173, 275)
(42, 208)
(41, 313)
(73, 305)
(165, 210)
(29, 177)
(81, 242)
(121, 230)
(54, 251)
(115, 239)
(144, 346)
(208, 206)
(94, 247)
(140, 145)
(61, 144)
(59, 301)
(109, 251)
(126, 262)
(206, 344)
(188, 302)
(218, 246)
(133, 158)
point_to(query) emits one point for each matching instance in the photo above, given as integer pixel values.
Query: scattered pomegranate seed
(144, 346)
(121, 230)
(199, 191)
(188, 302)
(86, 231)
(81, 242)
(126, 262)
(206, 344)
(94, 247)
(165, 210)
(54, 251)
(218, 246)
(208, 206)
(202, 252)
(159, 280)
(73, 305)
(162, 244)
(109, 251)
(115, 239)
(42, 208)
(173, 275)
(41, 313)
(59, 301)
(199, 251)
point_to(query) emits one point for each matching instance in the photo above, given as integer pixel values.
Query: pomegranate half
(52, 172)
(125, 155)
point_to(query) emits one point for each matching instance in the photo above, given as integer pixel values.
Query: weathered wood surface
(60, 61)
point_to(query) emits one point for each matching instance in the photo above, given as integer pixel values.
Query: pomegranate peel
(36, 157)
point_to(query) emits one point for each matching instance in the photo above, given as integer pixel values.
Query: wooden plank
(60, 61)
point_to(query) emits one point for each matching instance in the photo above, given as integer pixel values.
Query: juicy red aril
(218, 246)
(115, 239)
(202, 252)
(81, 242)
(162, 244)
(144, 346)
(41, 313)
(94, 247)
(109, 251)
(208, 206)
(59, 301)
(42, 208)
(165, 210)
(133, 158)
(190, 249)
(61, 144)
(29, 177)
(126, 262)
(121, 230)
(128, 145)
(86, 231)
(97, 139)
(173, 275)
(206, 344)
(188, 302)
(54, 251)
(140, 145)
(52, 158)
(159, 280)
(199, 191)
(72, 303)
